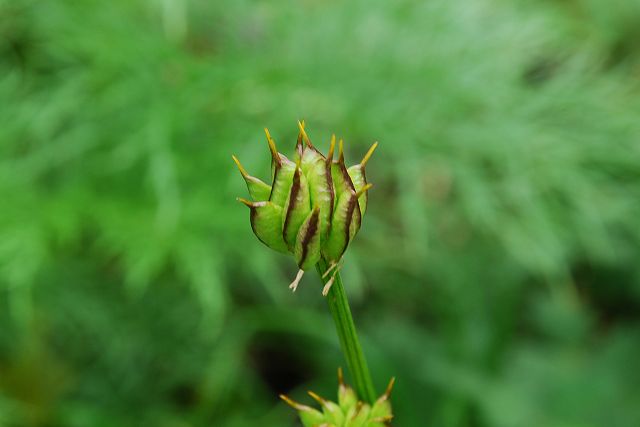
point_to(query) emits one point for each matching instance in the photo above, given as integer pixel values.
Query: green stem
(341, 313)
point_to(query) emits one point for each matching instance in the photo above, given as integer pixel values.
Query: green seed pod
(340, 234)
(362, 415)
(265, 218)
(359, 178)
(348, 412)
(258, 189)
(347, 398)
(284, 169)
(341, 179)
(282, 181)
(309, 416)
(307, 248)
(381, 409)
(296, 208)
(345, 224)
(313, 207)
(318, 169)
(332, 412)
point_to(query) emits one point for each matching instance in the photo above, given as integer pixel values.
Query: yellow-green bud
(313, 207)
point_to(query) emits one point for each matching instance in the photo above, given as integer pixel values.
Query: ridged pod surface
(314, 206)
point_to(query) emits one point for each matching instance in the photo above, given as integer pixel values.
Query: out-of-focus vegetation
(497, 274)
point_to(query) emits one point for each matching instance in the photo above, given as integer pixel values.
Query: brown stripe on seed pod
(327, 171)
(275, 156)
(302, 136)
(353, 202)
(310, 232)
(295, 189)
(332, 191)
(343, 168)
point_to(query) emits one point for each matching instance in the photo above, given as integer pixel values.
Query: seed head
(347, 412)
(314, 206)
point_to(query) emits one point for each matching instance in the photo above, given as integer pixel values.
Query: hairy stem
(341, 313)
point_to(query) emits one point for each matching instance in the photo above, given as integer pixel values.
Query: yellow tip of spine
(363, 190)
(383, 419)
(303, 133)
(295, 405)
(331, 149)
(387, 392)
(239, 165)
(317, 398)
(245, 202)
(272, 146)
(367, 156)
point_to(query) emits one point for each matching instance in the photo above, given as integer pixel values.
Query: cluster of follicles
(313, 207)
(348, 411)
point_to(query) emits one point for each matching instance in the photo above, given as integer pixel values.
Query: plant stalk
(346, 329)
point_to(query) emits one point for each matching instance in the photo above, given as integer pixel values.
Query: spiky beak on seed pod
(347, 412)
(313, 207)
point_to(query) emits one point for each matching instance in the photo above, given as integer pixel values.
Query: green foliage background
(497, 273)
